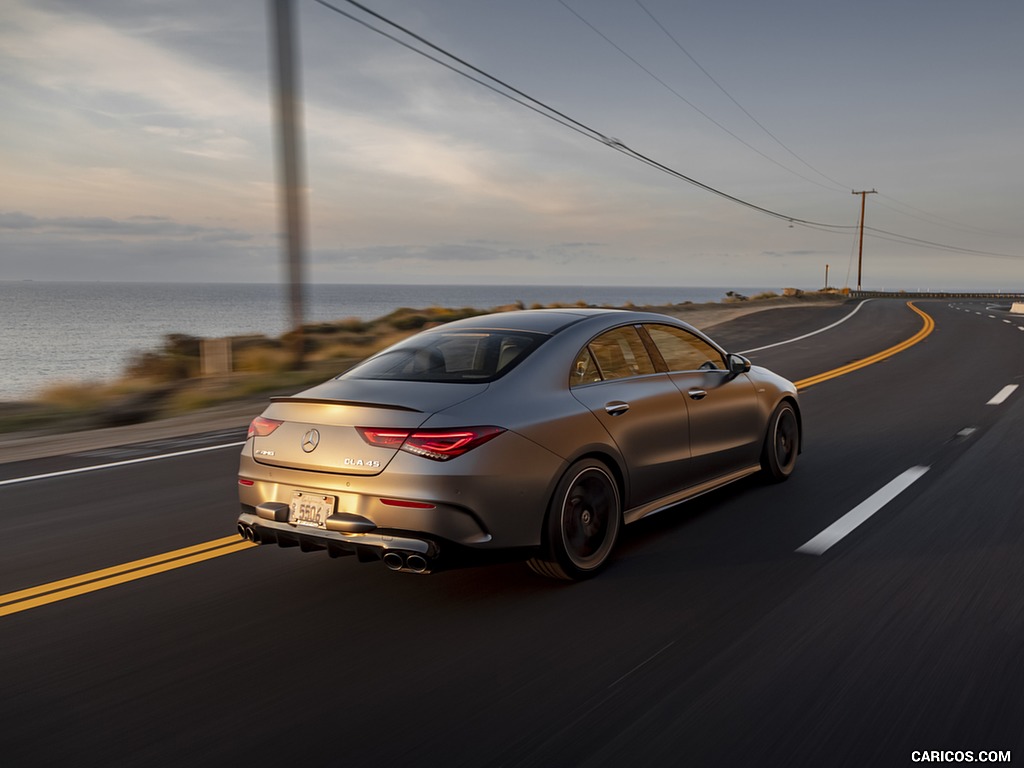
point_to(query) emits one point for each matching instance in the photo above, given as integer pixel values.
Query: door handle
(697, 394)
(616, 408)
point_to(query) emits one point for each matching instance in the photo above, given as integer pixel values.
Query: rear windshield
(465, 356)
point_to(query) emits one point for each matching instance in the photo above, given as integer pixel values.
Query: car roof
(548, 321)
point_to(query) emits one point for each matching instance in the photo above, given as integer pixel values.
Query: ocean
(54, 332)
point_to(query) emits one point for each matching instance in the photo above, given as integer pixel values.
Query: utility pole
(290, 176)
(826, 277)
(860, 257)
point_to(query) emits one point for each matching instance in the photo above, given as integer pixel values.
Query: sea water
(52, 332)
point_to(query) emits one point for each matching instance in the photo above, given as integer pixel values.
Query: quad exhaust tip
(412, 562)
(416, 563)
(395, 560)
(249, 533)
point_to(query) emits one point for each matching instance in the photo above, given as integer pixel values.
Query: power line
(556, 116)
(541, 108)
(776, 139)
(931, 218)
(686, 101)
(895, 237)
(552, 113)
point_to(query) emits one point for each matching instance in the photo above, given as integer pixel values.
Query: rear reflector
(246, 481)
(436, 444)
(407, 504)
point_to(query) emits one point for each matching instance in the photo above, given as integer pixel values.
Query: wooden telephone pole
(860, 257)
(291, 184)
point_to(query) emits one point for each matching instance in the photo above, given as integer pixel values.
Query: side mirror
(738, 364)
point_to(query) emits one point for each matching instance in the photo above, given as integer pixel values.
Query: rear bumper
(494, 497)
(399, 553)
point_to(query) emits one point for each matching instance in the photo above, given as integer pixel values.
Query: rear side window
(615, 354)
(467, 356)
(683, 351)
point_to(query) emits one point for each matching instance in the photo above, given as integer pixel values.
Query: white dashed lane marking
(861, 513)
(1003, 394)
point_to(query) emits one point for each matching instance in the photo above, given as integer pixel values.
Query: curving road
(869, 609)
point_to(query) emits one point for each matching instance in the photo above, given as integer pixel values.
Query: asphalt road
(718, 636)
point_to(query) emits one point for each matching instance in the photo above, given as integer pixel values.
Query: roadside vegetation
(170, 380)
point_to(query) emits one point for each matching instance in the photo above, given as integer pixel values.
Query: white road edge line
(862, 512)
(125, 463)
(1003, 394)
(808, 335)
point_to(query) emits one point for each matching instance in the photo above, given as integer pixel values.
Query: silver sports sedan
(538, 433)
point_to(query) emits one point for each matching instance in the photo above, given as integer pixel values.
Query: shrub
(263, 360)
(78, 396)
(177, 359)
(410, 322)
(352, 325)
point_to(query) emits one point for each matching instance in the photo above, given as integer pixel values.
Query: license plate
(311, 509)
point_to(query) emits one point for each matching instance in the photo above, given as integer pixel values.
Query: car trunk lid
(319, 427)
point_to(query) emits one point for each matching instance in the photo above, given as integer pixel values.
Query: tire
(781, 443)
(582, 524)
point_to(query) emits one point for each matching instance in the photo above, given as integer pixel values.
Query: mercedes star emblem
(310, 441)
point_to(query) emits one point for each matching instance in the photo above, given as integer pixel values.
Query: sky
(137, 143)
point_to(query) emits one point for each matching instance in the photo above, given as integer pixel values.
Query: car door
(726, 428)
(642, 410)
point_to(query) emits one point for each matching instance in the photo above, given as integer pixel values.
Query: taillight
(261, 427)
(384, 438)
(436, 444)
(442, 445)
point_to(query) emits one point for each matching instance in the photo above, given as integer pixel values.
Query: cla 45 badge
(361, 463)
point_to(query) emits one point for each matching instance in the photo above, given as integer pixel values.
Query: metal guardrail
(934, 295)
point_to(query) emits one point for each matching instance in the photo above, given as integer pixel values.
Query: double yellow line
(53, 592)
(44, 594)
(926, 329)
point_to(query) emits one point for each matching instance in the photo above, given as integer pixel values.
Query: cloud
(17, 220)
(786, 254)
(102, 226)
(443, 252)
(39, 255)
(116, 107)
(78, 57)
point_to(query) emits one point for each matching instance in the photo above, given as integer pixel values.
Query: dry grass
(166, 381)
(89, 395)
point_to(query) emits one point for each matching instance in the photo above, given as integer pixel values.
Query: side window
(683, 351)
(615, 354)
